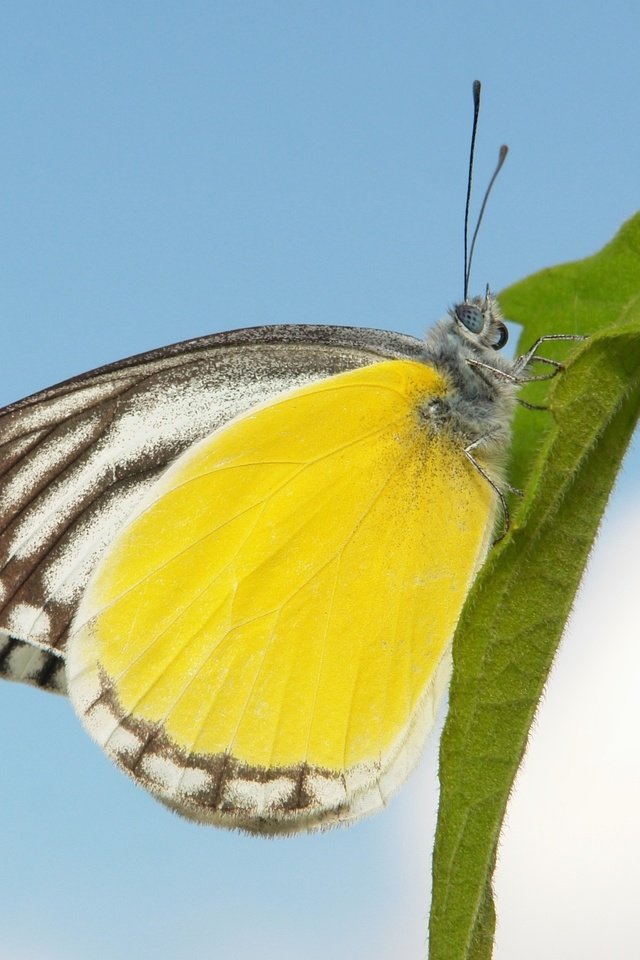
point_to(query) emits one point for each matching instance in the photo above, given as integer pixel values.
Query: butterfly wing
(265, 642)
(75, 460)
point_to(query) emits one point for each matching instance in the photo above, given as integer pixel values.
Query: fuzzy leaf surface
(515, 614)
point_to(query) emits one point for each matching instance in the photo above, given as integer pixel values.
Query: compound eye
(503, 336)
(470, 316)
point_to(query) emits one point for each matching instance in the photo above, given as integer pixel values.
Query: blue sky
(172, 169)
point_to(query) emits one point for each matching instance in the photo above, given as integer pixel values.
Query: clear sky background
(172, 169)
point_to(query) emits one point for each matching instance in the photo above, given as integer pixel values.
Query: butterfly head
(478, 319)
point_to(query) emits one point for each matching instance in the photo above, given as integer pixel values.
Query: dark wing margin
(76, 458)
(23, 661)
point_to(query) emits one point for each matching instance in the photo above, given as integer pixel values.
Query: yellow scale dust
(288, 588)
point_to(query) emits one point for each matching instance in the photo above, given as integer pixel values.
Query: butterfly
(244, 556)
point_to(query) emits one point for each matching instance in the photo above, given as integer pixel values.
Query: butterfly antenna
(476, 111)
(504, 149)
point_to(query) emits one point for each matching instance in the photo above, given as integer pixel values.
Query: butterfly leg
(525, 359)
(522, 362)
(506, 516)
(515, 377)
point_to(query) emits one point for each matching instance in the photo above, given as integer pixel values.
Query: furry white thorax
(479, 403)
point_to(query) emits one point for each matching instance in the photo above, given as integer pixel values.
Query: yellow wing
(264, 644)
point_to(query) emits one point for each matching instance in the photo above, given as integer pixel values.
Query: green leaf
(515, 614)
